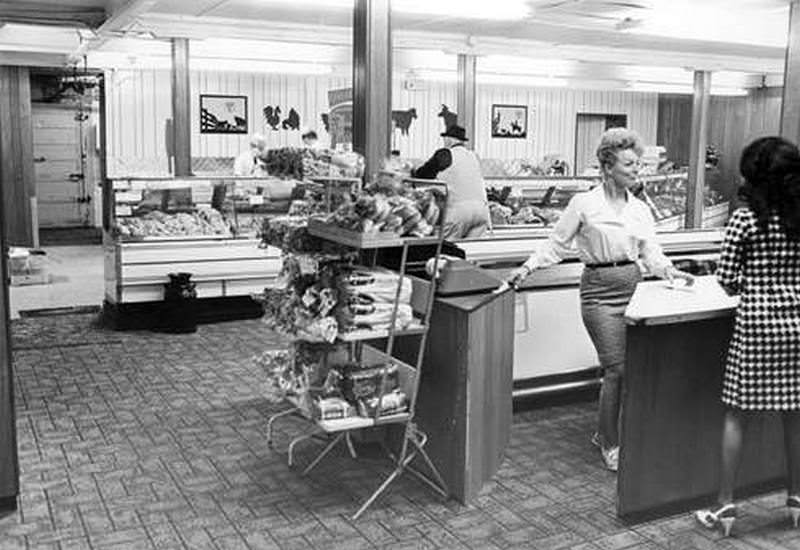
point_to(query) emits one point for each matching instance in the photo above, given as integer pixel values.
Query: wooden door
(63, 180)
(588, 130)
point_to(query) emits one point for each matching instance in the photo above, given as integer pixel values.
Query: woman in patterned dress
(760, 260)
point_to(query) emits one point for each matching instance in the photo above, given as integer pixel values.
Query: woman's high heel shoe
(793, 502)
(725, 515)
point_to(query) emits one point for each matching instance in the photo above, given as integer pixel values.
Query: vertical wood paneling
(16, 154)
(139, 105)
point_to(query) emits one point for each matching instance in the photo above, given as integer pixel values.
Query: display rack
(364, 355)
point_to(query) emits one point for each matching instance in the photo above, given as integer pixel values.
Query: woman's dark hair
(771, 169)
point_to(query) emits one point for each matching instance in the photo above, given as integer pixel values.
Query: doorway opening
(588, 129)
(65, 112)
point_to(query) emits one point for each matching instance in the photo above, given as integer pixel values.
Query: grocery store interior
(139, 410)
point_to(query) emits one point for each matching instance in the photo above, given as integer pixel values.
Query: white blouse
(602, 235)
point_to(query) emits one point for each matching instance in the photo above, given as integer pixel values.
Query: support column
(697, 149)
(372, 82)
(16, 156)
(466, 95)
(181, 108)
(9, 462)
(790, 106)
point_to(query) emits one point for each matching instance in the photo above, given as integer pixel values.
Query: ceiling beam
(33, 59)
(51, 13)
(118, 21)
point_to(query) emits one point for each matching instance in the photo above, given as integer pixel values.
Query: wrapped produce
(394, 402)
(333, 408)
(206, 221)
(365, 383)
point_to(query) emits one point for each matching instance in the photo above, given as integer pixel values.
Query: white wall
(139, 103)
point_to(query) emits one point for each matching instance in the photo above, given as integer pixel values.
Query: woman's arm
(731, 260)
(557, 246)
(650, 251)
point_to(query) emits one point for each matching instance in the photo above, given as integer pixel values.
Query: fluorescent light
(510, 64)
(665, 88)
(471, 9)
(263, 49)
(131, 61)
(257, 66)
(521, 80)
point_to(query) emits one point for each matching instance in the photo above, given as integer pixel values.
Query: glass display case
(206, 208)
(203, 226)
(537, 203)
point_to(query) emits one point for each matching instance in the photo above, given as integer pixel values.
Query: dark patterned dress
(763, 364)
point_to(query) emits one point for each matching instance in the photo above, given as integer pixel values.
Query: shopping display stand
(340, 430)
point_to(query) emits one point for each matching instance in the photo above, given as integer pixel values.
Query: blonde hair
(615, 140)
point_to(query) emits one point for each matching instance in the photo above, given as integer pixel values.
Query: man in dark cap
(467, 212)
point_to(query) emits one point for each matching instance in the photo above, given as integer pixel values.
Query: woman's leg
(609, 405)
(733, 428)
(791, 438)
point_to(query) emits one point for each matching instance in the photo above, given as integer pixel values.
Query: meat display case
(552, 350)
(203, 226)
(537, 202)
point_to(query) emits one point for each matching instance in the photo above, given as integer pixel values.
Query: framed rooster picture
(223, 114)
(509, 121)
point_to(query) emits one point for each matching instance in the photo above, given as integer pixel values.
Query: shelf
(359, 335)
(356, 239)
(358, 422)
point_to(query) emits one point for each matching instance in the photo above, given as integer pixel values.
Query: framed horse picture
(223, 114)
(509, 121)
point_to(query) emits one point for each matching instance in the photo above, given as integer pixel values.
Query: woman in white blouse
(611, 230)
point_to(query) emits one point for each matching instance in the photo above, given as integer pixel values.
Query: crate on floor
(27, 267)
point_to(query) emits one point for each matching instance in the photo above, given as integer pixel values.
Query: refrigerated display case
(537, 202)
(203, 226)
(552, 350)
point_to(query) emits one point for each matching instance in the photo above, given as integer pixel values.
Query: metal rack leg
(350, 447)
(297, 440)
(273, 418)
(324, 452)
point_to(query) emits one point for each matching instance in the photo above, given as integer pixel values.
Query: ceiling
(739, 35)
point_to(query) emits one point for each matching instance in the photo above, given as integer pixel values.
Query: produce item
(394, 402)
(380, 213)
(366, 300)
(206, 221)
(305, 163)
(365, 383)
(333, 408)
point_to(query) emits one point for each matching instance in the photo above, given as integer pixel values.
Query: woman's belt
(611, 264)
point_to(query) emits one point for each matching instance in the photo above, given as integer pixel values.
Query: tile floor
(138, 440)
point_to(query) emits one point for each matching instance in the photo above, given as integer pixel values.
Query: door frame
(606, 116)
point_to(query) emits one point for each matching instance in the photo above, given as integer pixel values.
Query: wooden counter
(672, 413)
(464, 402)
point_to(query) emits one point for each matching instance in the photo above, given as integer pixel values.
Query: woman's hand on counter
(518, 275)
(673, 273)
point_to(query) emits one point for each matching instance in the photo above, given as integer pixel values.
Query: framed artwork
(223, 114)
(509, 121)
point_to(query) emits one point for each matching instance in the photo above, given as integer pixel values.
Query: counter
(672, 413)
(552, 350)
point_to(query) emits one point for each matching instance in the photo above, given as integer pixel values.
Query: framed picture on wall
(223, 114)
(509, 121)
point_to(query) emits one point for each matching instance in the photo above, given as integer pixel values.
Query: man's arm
(440, 160)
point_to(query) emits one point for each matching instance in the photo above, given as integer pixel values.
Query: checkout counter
(672, 413)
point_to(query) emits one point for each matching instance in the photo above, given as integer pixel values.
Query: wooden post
(466, 95)
(181, 107)
(697, 150)
(9, 463)
(372, 79)
(790, 107)
(16, 155)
